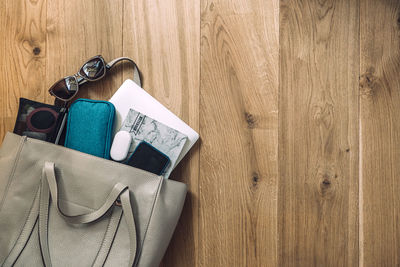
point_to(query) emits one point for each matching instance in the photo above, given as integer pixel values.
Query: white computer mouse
(120, 146)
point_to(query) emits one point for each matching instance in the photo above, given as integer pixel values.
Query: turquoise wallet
(90, 127)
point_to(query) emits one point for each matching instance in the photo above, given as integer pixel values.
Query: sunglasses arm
(136, 74)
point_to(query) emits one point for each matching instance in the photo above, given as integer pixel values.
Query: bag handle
(136, 73)
(120, 193)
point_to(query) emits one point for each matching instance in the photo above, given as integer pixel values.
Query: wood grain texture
(318, 133)
(296, 102)
(79, 30)
(3, 93)
(380, 138)
(238, 126)
(23, 34)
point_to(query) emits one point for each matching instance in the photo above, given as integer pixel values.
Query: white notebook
(131, 96)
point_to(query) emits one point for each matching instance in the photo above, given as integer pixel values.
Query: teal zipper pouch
(90, 126)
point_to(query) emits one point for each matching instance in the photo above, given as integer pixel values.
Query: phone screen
(148, 158)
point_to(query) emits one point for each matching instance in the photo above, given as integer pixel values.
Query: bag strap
(49, 188)
(136, 73)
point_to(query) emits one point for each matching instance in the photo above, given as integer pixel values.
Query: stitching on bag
(71, 202)
(43, 217)
(23, 227)
(29, 237)
(11, 176)
(113, 238)
(155, 198)
(105, 236)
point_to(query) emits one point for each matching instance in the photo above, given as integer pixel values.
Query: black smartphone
(148, 158)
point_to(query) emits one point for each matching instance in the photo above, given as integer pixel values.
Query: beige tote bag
(61, 207)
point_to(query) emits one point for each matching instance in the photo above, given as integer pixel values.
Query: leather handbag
(61, 207)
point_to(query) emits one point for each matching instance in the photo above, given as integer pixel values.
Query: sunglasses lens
(66, 88)
(93, 69)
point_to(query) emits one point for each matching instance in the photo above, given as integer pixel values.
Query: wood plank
(3, 95)
(245, 192)
(79, 30)
(318, 133)
(238, 125)
(164, 39)
(23, 35)
(380, 139)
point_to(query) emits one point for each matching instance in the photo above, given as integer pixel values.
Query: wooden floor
(297, 103)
